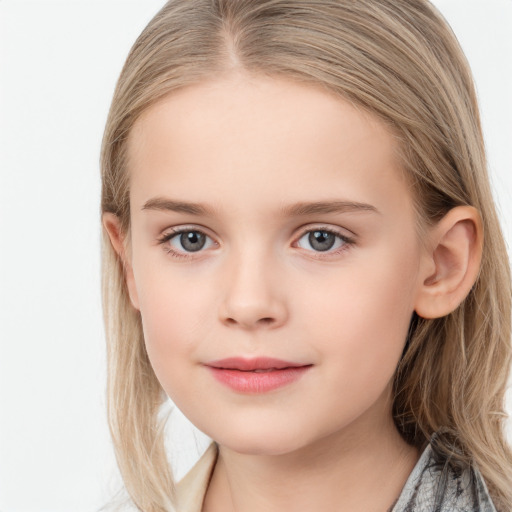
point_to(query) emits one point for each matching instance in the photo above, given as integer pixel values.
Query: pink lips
(257, 375)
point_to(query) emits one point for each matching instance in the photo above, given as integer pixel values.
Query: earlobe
(452, 264)
(112, 226)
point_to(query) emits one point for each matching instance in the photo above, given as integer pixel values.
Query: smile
(258, 375)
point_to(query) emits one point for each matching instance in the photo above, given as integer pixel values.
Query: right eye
(183, 241)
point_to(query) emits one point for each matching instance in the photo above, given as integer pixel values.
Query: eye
(322, 240)
(186, 241)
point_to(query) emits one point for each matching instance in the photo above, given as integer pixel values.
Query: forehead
(252, 140)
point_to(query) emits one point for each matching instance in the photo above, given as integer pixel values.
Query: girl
(301, 250)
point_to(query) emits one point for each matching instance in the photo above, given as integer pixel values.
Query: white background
(58, 65)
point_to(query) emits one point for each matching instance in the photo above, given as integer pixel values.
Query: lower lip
(258, 382)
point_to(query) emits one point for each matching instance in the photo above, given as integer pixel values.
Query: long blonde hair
(399, 60)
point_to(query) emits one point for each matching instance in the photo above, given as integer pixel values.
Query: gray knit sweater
(434, 486)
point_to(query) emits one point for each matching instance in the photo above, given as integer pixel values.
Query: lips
(259, 363)
(257, 375)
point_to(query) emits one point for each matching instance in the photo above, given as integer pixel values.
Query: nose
(252, 295)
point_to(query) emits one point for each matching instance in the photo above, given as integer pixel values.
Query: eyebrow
(304, 208)
(295, 210)
(165, 204)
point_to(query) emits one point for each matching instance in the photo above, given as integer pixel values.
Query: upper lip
(257, 363)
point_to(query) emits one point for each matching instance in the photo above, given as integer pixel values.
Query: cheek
(360, 318)
(174, 319)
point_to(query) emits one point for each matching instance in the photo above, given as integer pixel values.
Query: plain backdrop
(59, 61)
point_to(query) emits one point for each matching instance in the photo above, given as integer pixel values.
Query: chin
(259, 447)
(260, 441)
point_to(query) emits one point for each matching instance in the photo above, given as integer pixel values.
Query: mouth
(258, 375)
(259, 364)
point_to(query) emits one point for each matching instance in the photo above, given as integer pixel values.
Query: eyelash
(347, 242)
(173, 234)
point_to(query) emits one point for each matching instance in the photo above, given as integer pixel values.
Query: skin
(248, 148)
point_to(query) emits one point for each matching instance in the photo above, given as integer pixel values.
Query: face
(274, 260)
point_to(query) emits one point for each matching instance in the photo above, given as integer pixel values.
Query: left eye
(321, 240)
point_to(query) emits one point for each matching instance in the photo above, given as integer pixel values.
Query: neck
(354, 470)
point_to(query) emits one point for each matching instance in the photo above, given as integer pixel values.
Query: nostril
(262, 321)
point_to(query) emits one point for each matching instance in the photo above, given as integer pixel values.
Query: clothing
(431, 487)
(436, 487)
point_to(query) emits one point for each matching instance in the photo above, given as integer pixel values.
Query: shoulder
(191, 489)
(435, 484)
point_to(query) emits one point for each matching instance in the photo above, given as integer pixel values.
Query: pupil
(321, 240)
(192, 241)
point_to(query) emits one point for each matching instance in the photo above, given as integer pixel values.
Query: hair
(400, 61)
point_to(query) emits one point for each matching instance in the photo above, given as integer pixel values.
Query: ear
(452, 262)
(112, 226)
